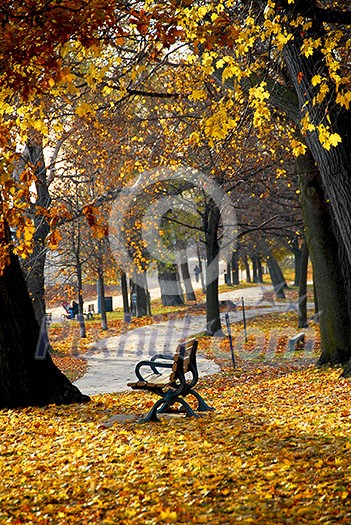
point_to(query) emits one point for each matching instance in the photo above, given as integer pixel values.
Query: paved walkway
(253, 295)
(111, 361)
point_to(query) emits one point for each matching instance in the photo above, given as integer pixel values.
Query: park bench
(294, 341)
(172, 377)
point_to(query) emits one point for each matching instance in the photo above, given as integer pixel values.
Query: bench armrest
(162, 356)
(168, 357)
(152, 365)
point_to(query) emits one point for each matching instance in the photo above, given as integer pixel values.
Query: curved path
(111, 361)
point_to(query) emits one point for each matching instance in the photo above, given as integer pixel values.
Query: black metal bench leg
(189, 411)
(164, 408)
(152, 415)
(202, 406)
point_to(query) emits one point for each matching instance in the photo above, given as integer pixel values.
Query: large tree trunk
(124, 289)
(323, 247)
(184, 267)
(211, 224)
(228, 274)
(254, 269)
(33, 266)
(82, 329)
(334, 163)
(257, 271)
(235, 268)
(101, 285)
(297, 252)
(277, 276)
(329, 242)
(334, 166)
(168, 278)
(28, 375)
(199, 258)
(302, 322)
(247, 268)
(143, 306)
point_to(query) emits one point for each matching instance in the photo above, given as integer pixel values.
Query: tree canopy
(236, 89)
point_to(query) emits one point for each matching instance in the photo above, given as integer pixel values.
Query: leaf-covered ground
(277, 449)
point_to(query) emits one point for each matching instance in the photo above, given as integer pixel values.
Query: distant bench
(176, 381)
(294, 341)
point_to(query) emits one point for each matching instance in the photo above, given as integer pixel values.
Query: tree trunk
(28, 375)
(302, 322)
(101, 284)
(277, 277)
(254, 269)
(297, 252)
(202, 279)
(228, 278)
(33, 266)
(247, 268)
(81, 321)
(259, 270)
(124, 288)
(235, 268)
(329, 242)
(140, 297)
(323, 247)
(211, 224)
(168, 278)
(315, 299)
(184, 266)
(334, 164)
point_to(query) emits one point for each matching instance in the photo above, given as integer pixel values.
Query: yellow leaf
(83, 109)
(317, 79)
(334, 139)
(168, 515)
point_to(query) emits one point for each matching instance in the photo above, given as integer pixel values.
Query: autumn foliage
(277, 450)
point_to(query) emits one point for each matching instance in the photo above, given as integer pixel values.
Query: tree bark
(142, 295)
(101, 284)
(211, 225)
(302, 322)
(277, 277)
(254, 269)
(247, 268)
(168, 278)
(297, 252)
(82, 329)
(235, 268)
(259, 270)
(202, 278)
(184, 267)
(323, 247)
(28, 376)
(33, 266)
(334, 164)
(124, 289)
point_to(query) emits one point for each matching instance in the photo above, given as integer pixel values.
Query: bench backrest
(184, 359)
